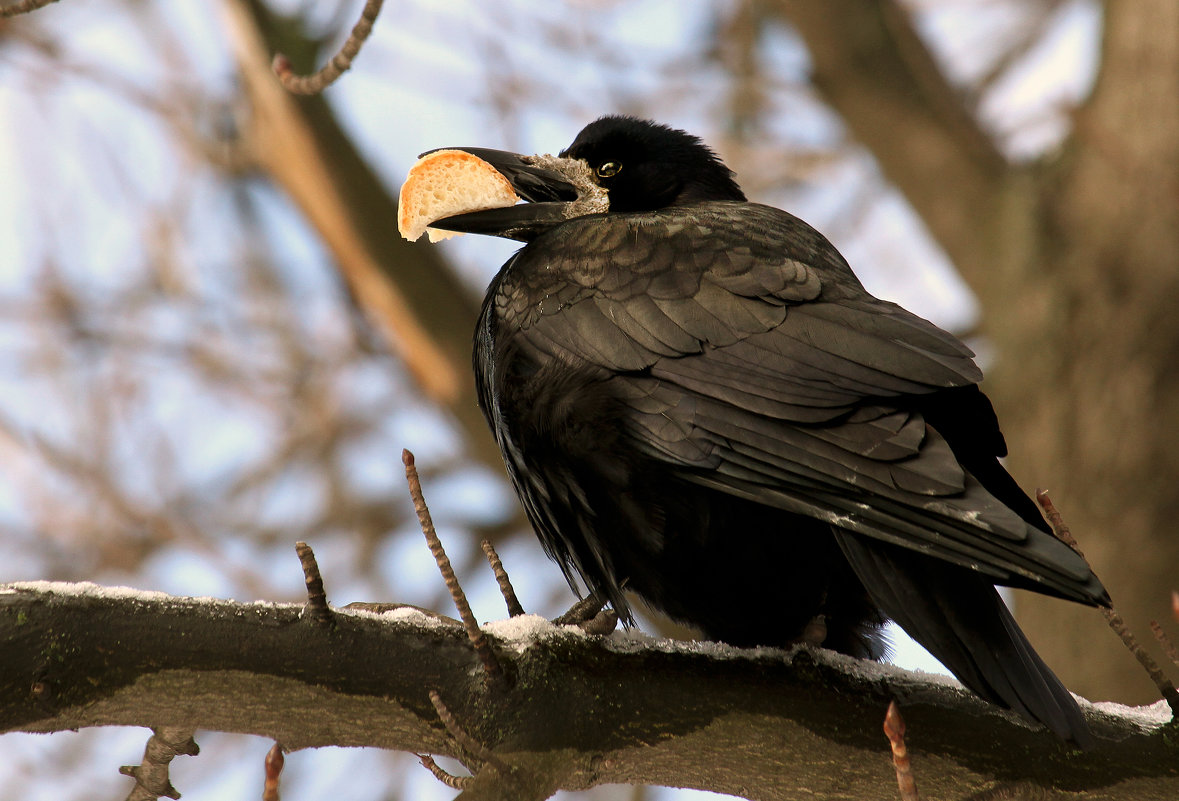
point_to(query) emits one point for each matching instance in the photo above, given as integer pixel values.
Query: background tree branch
(301, 146)
(1074, 259)
(871, 67)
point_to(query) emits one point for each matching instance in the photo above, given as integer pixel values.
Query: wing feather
(752, 361)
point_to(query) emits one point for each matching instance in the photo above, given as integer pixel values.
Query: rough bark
(1076, 262)
(576, 710)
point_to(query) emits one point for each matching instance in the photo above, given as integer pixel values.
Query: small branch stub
(449, 779)
(515, 608)
(274, 764)
(317, 605)
(894, 729)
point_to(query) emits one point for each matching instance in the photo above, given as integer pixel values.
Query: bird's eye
(608, 170)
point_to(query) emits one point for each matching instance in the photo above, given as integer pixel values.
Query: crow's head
(645, 166)
(642, 165)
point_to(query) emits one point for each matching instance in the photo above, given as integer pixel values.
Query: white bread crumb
(445, 183)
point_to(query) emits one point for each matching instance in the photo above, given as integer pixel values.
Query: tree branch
(300, 144)
(584, 710)
(1062, 532)
(874, 70)
(285, 145)
(478, 641)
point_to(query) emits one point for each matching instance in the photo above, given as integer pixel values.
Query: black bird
(698, 402)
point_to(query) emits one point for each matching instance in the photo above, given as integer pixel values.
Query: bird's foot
(815, 632)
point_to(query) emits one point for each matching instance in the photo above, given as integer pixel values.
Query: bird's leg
(591, 615)
(815, 631)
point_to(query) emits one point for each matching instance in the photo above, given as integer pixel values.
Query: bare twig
(468, 743)
(894, 729)
(1168, 646)
(151, 777)
(1062, 532)
(274, 763)
(23, 7)
(515, 609)
(1165, 641)
(1166, 687)
(317, 605)
(449, 779)
(1059, 528)
(474, 633)
(340, 62)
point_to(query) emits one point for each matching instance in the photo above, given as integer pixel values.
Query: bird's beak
(548, 194)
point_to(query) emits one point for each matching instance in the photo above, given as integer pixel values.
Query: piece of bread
(445, 183)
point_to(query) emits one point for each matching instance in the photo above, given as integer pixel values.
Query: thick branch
(582, 710)
(284, 144)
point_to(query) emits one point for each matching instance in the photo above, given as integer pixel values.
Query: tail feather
(959, 618)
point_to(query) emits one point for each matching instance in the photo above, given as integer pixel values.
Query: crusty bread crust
(445, 183)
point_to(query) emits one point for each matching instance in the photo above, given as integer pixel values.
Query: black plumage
(699, 403)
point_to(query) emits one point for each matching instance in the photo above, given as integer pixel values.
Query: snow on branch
(619, 708)
(572, 703)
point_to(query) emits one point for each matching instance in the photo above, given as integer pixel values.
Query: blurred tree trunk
(1076, 262)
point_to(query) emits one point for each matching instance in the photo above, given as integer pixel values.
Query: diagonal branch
(23, 7)
(301, 145)
(873, 69)
(474, 633)
(285, 145)
(1165, 686)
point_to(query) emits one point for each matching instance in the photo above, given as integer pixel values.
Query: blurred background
(213, 343)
